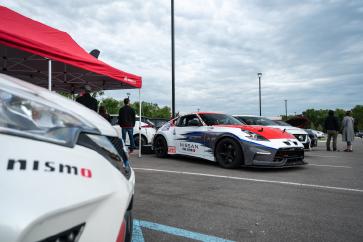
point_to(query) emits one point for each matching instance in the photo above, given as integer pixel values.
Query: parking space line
(253, 180)
(177, 232)
(330, 166)
(321, 156)
(137, 235)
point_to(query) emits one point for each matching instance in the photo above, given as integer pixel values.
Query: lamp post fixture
(172, 62)
(286, 108)
(259, 90)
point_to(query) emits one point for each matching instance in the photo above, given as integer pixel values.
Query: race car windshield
(257, 121)
(217, 119)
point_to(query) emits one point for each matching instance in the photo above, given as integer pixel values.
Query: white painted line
(322, 156)
(330, 166)
(254, 180)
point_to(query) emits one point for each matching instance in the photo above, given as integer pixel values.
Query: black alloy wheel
(143, 140)
(229, 153)
(160, 147)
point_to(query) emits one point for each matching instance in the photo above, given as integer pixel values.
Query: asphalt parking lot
(180, 198)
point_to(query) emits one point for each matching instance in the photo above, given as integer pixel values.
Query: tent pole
(140, 123)
(50, 74)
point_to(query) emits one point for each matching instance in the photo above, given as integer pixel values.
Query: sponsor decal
(189, 147)
(47, 166)
(171, 150)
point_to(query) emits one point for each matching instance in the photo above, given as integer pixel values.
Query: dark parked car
(313, 138)
(359, 134)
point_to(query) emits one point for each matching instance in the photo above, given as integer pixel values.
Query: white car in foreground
(300, 134)
(147, 130)
(64, 173)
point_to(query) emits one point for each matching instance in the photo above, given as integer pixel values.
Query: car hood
(65, 104)
(265, 131)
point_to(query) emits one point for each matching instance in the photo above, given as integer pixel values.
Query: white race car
(222, 138)
(64, 172)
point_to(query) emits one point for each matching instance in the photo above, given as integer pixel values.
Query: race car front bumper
(269, 157)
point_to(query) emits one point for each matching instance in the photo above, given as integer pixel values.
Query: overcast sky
(310, 52)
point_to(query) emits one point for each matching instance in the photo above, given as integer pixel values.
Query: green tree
(112, 105)
(316, 117)
(152, 110)
(358, 116)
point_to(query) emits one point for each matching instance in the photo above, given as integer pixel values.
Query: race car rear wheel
(228, 153)
(160, 147)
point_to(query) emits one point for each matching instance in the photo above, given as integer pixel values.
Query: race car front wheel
(228, 153)
(160, 147)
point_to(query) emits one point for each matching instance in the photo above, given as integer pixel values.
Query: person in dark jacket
(86, 99)
(331, 127)
(126, 120)
(103, 112)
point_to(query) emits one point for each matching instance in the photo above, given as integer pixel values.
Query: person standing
(331, 127)
(86, 99)
(126, 120)
(348, 130)
(103, 112)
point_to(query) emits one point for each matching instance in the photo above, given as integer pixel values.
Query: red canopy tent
(48, 57)
(31, 50)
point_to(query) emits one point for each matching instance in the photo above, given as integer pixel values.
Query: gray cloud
(310, 52)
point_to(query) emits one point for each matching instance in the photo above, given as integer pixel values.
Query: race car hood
(290, 129)
(64, 103)
(266, 132)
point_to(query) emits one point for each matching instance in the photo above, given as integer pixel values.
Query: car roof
(248, 115)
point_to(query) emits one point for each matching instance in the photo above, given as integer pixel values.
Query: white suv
(147, 128)
(64, 172)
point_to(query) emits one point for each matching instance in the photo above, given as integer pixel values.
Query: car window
(258, 121)
(218, 118)
(187, 120)
(241, 119)
(281, 123)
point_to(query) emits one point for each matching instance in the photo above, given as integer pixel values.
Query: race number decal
(171, 150)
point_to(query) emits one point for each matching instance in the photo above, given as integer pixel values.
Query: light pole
(286, 108)
(172, 62)
(259, 90)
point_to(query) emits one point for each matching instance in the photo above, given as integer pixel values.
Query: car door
(189, 135)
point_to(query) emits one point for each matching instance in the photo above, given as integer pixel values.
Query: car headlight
(254, 136)
(300, 137)
(28, 115)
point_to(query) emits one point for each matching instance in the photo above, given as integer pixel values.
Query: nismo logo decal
(48, 166)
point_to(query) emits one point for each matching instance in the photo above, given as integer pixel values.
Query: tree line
(317, 117)
(148, 109)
